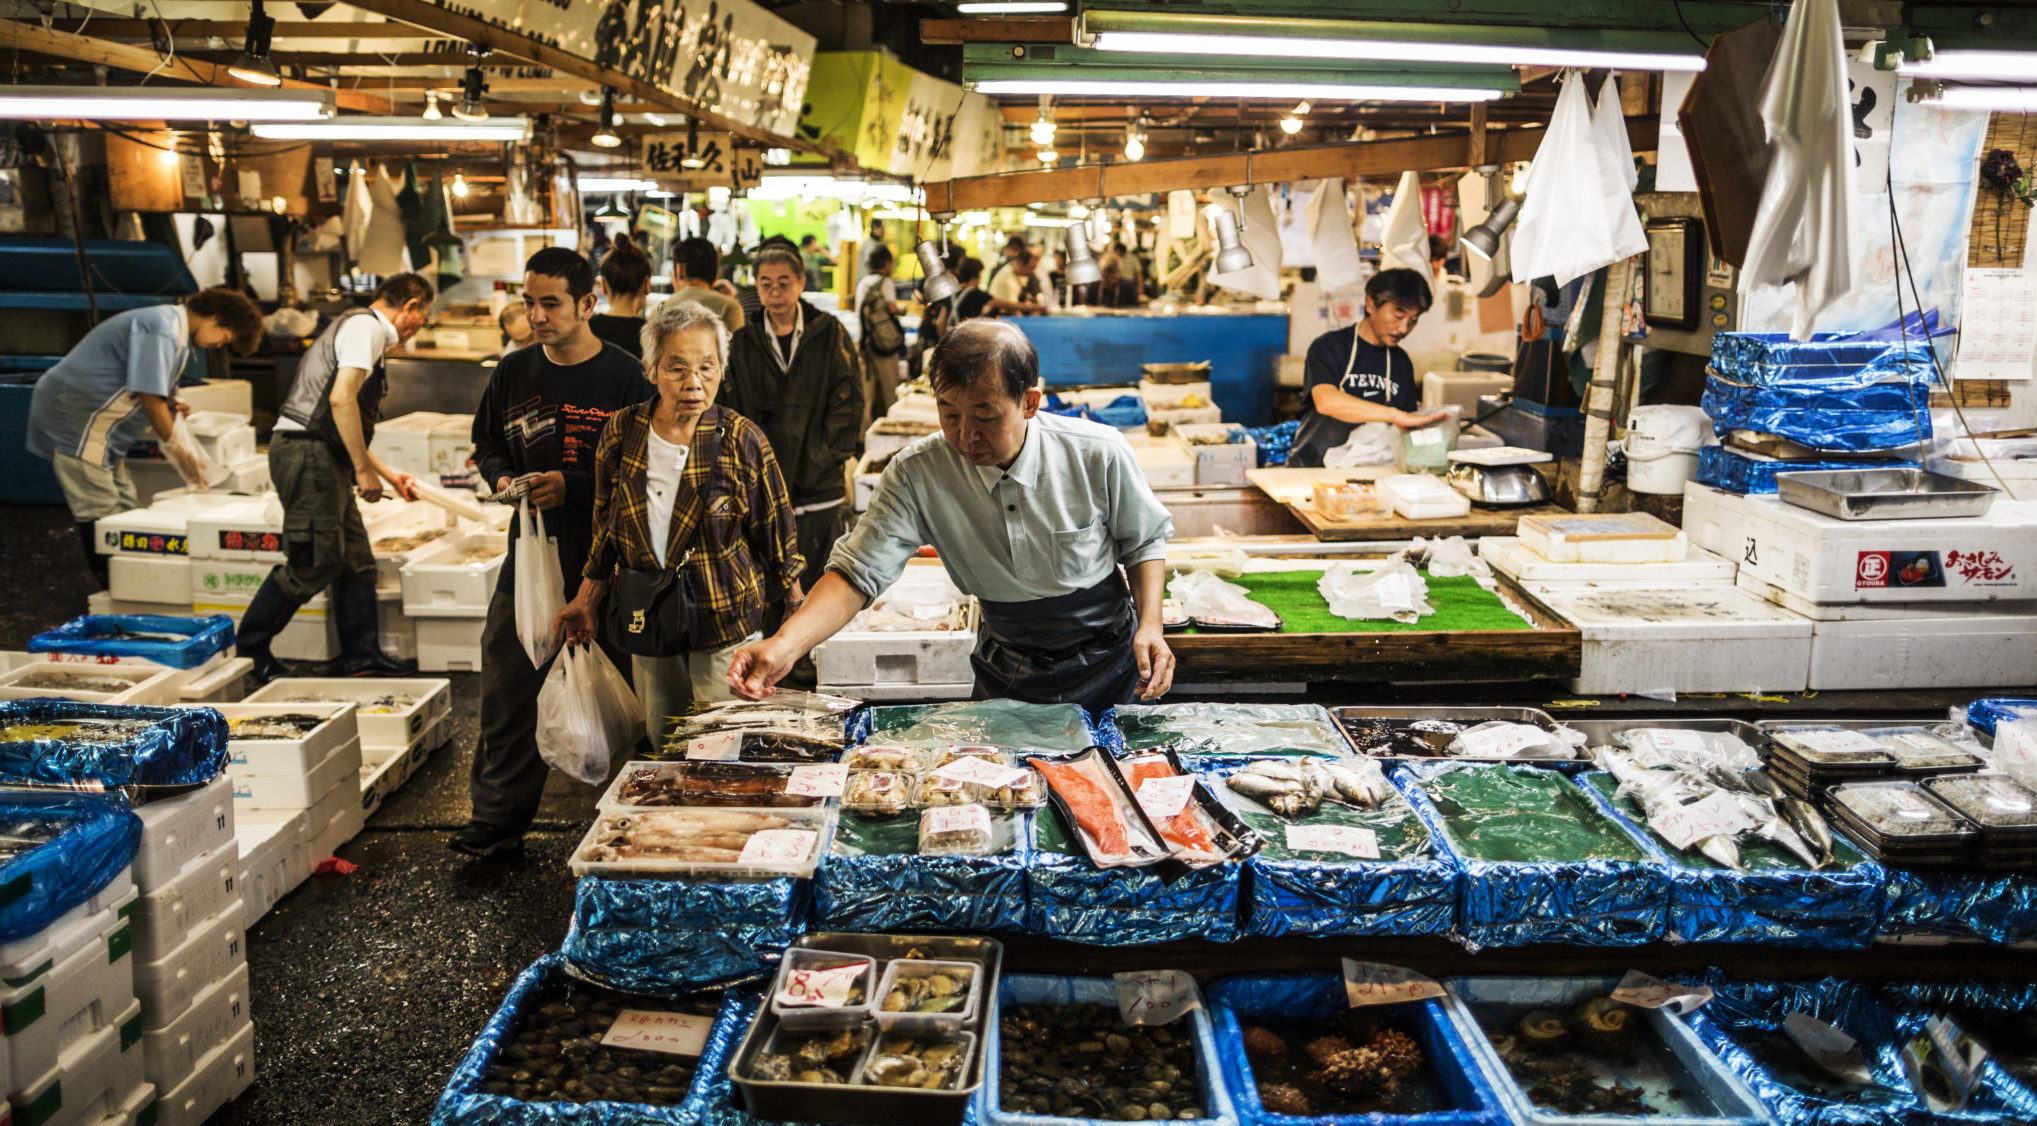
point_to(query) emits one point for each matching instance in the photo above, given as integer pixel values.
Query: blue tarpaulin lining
(96, 635)
(98, 839)
(181, 746)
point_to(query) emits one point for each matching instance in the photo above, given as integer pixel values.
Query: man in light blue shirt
(115, 387)
(1032, 513)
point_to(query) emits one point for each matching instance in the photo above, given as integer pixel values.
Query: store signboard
(895, 119)
(722, 161)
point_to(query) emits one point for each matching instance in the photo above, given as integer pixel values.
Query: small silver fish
(1288, 798)
(1361, 783)
(1810, 828)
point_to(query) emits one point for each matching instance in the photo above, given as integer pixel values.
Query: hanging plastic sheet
(1579, 215)
(1405, 244)
(466, 1103)
(1831, 360)
(1839, 908)
(1275, 442)
(1983, 715)
(999, 723)
(178, 643)
(1846, 431)
(72, 848)
(1739, 472)
(1617, 897)
(1202, 732)
(1331, 238)
(1993, 906)
(46, 742)
(659, 936)
(1070, 898)
(874, 879)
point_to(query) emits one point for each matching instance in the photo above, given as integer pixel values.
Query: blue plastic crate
(196, 639)
(1998, 907)
(1070, 898)
(658, 936)
(912, 894)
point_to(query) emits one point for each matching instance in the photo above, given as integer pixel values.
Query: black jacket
(812, 414)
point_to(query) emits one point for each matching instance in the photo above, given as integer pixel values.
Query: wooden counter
(1294, 488)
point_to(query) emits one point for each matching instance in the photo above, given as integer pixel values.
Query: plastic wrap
(1983, 715)
(84, 844)
(1828, 359)
(997, 723)
(1838, 908)
(178, 643)
(180, 747)
(1219, 605)
(1125, 412)
(1467, 1098)
(1993, 906)
(1275, 442)
(1887, 397)
(875, 880)
(660, 936)
(1068, 897)
(1835, 431)
(1230, 731)
(465, 1104)
(1602, 902)
(1738, 472)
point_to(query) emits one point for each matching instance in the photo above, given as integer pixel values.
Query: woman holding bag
(693, 528)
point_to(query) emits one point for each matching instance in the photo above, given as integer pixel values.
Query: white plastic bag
(540, 586)
(189, 458)
(1394, 590)
(587, 715)
(1501, 739)
(1328, 216)
(1578, 217)
(1207, 598)
(1370, 443)
(1449, 558)
(1406, 242)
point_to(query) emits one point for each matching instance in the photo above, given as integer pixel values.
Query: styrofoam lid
(1501, 455)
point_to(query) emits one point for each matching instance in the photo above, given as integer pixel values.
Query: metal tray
(1469, 717)
(1884, 494)
(771, 1100)
(1601, 732)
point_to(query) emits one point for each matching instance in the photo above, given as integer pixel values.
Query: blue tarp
(1070, 898)
(180, 747)
(1983, 715)
(1842, 430)
(905, 892)
(660, 936)
(193, 641)
(1831, 359)
(1739, 472)
(89, 840)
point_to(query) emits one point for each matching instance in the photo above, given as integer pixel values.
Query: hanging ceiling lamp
(254, 64)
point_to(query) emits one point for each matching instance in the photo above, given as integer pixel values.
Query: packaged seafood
(1918, 748)
(1200, 829)
(955, 830)
(823, 989)
(722, 844)
(951, 753)
(1336, 831)
(985, 781)
(73, 744)
(1215, 604)
(1232, 730)
(1716, 811)
(1172, 615)
(644, 784)
(879, 792)
(935, 790)
(877, 756)
(1094, 798)
(1431, 733)
(1991, 801)
(924, 995)
(1830, 745)
(806, 717)
(1501, 740)
(1767, 840)
(1686, 747)
(1296, 789)
(1899, 810)
(754, 744)
(59, 678)
(926, 1061)
(860, 834)
(999, 723)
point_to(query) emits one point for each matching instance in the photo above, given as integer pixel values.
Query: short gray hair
(679, 315)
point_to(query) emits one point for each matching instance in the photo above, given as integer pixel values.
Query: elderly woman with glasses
(693, 525)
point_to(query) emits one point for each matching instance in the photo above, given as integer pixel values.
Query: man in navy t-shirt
(1360, 374)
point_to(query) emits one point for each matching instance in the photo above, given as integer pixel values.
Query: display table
(1294, 488)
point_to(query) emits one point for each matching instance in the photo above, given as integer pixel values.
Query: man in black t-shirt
(1360, 374)
(541, 418)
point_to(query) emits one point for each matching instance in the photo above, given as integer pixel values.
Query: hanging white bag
(587, 715)
(189, 458)
(540, 586)
(1328, 217)
(1406, 242)
(1578, 217)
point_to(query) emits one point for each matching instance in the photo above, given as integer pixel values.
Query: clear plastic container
(923, 995)
(1828, 745)
(928, 1061)
(884, 756)
(814, 990)
(1920, 748)
(1992, 801)
(662, 785)
(1899, 810)
(879, 791)
(935, 791)
(955, 830)
(949, 754)
(719, 844)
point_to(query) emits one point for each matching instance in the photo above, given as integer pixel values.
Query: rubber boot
(88, 534)
(360, 631)
(266, 616)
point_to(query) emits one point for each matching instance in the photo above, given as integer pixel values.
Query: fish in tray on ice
(1299, 787)
(686, 836)
(1711, 806)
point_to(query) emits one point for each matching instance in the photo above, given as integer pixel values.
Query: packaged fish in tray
(1095, 799)
(924, 995)
(754, 744)
(823, 989)
(956, 830)
(802, 726)
(1433, 733)
(989, 782)
(645, 784)
(879, 792)
(1921, 750)
(1999, 804)
(717, 844)
(1200, 829)
(1830, 748)
(949, 754)
(1901, 822)
(883, 756)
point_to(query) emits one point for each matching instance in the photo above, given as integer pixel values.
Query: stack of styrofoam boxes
(903, 664)
(446, 588)
(397, 521)
(149, 563)
(191, 972)
(433, 447)
(146, 683)
(1676, 623)
(219, 677)
(1179, 403)
(229, 440)
(232, 550)
(1927, 603)
(72, 1050)
(1166, 463)
(282, 788)
(394, 742)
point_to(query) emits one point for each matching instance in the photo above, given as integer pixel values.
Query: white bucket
(1666, 474)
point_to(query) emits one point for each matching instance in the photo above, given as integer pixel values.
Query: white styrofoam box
(217, 1080)
(1960, 559)
(23, 958)
(1170, 396)
(1611, 537)
(149, 578)
(344, 826)
(289, 789)
(429, 699)
(1511, 558)
(396, 630)
(1420, 496)
(865, 483)
(274, 857)
(165, 917)
(2017, 476)
(227, 396)
(289, 757)
(1165, 464)
(176, 831)
(222, 684)
(426, 443)
(436, 584)
(103, 602)
(146, 684)
(168, 984)
(156, 529)
(225, 437)
(343, 796)
(229, 584)
(214, 1017)
(137, 1109)
(1184, 416)
(380, 779)
(1293, 370)
(910, 657)
(92, 1080)
(311, 635)
(245, 528)
(88, 988)
(902, 693)
(1693, 638)
(398, 522)
(1222, 462)
(1461, 389)
(1975, 651)
(248, 475)
(449, 644)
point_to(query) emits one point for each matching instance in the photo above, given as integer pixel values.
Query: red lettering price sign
(722, 746)
(1156, 996)
(1163, 798)
(676, 1034)
(1375, 983)
(1647, 992)
(981, 772)
(819, 780)
(778, 848)
(828, 987)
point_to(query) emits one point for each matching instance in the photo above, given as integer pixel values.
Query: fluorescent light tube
(95, 103)
(1275, 91)
(2000, 66)
(1011, 7)
(397, 129)
(1374, 50)
(614, 184)
(1990, 99)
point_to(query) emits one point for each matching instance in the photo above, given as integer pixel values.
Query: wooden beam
(1478, 146)
(235, 30)
(23, 36)
(948, 33)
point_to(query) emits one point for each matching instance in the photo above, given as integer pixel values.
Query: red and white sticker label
(1375, 983)
(1348, 840)
(819, 780)
(1156, 996)
(981, 772)
(779, 847)
(955, 819)
(675, 1034)
(1163, 798)
(1648, 992)
(1870, 570)
(722, 746)
(826, 988)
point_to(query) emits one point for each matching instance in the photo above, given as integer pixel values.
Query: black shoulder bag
(650, 613)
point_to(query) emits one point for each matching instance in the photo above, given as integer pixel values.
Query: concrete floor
(366, 988)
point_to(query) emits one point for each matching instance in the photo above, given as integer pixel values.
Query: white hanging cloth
(1615, 146)
(1406, 241)
(1579, 215)
(1262, 278)
(1329, 223)
(1803, 228)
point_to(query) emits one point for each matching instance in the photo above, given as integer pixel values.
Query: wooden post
(1598, 398)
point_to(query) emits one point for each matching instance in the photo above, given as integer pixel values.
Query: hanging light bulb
(459, 185)
(254, 65)
(693, 161)
(1135, 141)
(939, 284)
(1231, 253)
(431, 106)
(1082, 268)
(1043, 126)
(1049, 156)
(605, 137)
(1099, 229)
(1291, 124)
(473, 88)
(590, 97)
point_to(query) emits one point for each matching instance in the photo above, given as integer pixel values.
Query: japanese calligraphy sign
(722, 161)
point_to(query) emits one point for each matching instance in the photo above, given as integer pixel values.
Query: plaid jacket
(749, 552)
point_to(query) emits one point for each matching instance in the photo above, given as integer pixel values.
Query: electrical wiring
(1699, 39)
(166, 60)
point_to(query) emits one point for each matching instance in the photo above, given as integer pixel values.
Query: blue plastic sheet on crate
(1737, 472)
(88, 841)
(1840, 431)
(1983, 715)
(658, 936)
(1832, 359)
(1829, 910)
(1122, 413)
(464, 1103)
(1239, 1002)
(180, 747)
(1070, 898)
(909, 893)
(1008, 723)
(1993, 906)
(1275, 442)
(174, 642)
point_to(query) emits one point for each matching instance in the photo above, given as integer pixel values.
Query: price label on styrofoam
(1375, 983)
(1156, 996)
(1837, 742)
(721, 746)
(828, 987)
(1163, 798)
(778, 847)
(675, 1034)
(1350, 840)
(945, 819)
(1649, 992)
(981, 772)
(818, 780)
(1719, 814)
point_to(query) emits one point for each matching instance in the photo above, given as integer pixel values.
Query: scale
(1500, 477)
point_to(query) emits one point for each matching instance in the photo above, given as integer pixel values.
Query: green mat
(1461, 604)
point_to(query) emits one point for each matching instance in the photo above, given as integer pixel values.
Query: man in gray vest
(319, 458)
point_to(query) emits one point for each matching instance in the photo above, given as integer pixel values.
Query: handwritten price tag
(1648, 992)
(1718, 815)
(1837, 742)
(981, 772)
(676, 1034)
(828, 988)
(1678, 742)
(1375, 983)
(1350, 840)
(779, 847)
(1156, 996)
(821, 780)
(1163, 798)
(722, 746)
(972, 819)
(2016, 750)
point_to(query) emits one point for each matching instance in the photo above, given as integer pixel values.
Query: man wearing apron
(1360, 374)
(1034, 514)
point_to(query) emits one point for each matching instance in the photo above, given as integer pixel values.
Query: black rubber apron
(1073, 648)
